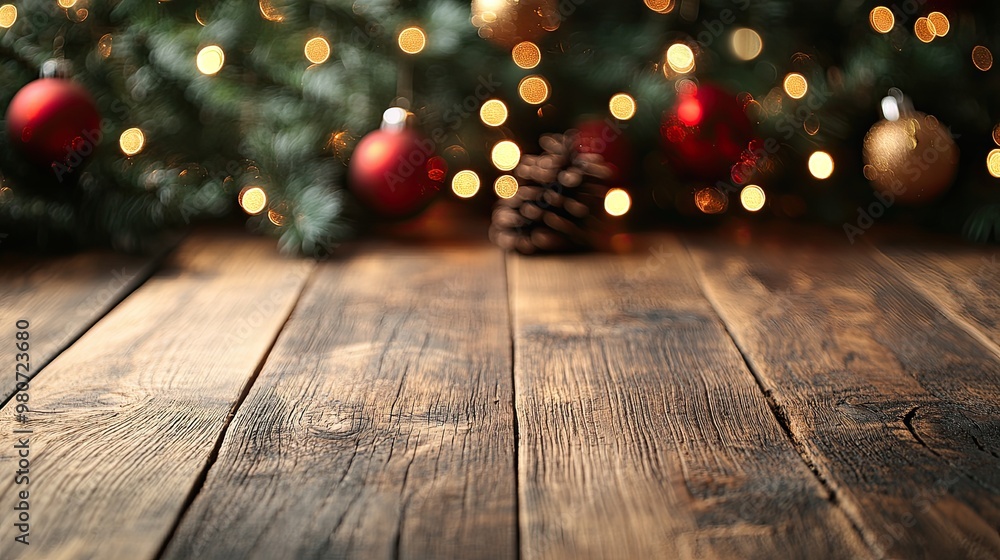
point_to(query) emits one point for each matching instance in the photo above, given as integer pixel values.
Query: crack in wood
(908, 422)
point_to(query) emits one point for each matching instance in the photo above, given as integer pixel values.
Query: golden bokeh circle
(505, 155)
(881, 19)
(680, 58)
(996, 135)
(711, 200)
(617, 202)
(505, 186)
(253, 200)
(269, 12)
(210, 60)
(993, 163)
(660, 6)
(276, 217)
(534, 89)
(752, 198)
(982, 58)
(493, 112)
(821, 165)
(132, 141)
(924, 30)
(412, 40)
(8, 15)
(622, 106)
(940, 22)
(104, 45)
(465, 184)
(66, 3)
(796, 86)
(526, 55)
(746, 43)
(317, 50)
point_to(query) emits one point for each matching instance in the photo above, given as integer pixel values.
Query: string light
(811, 125)
(996, 134)
(534, 89)
(132, 141)
(711, 200)
(276, 217)
(505, 155)
(317, 50)
(339, 142)
(412, 40)
(680, 58)
(752, 198)
(660, 6)
(881, 19)
(821, 165)
(465, 184)
(617, 202)
(796, 85)
(104, 45)
(505, 186)
(269, 12)
(67, 4)
(940, 23)
(622, 106)
(924, 30)
(210, 60)
(253, 200)
(746, 44)
(8, 15)
(526, 55)
(493, 112)
(982, 58)
(993, 163)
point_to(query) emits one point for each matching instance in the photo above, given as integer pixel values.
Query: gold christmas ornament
(914, 158)
(509, 22)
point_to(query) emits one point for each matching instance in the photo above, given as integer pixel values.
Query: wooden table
(742, 394)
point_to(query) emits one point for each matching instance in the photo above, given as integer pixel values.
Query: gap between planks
(807, 357)
(511, 320)
(214, 454)
(79, 293)
(776, 410)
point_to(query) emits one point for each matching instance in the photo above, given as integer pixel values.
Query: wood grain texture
(962, 280)
(61, 297)
(894, 405)
(125, 419)
(642, 433)
(381, 426)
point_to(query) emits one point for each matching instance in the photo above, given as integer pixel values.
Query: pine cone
(557, 203)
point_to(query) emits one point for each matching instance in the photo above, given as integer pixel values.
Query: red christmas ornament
(707, 136)
(54, 122)
(607, 138)
(395, 173)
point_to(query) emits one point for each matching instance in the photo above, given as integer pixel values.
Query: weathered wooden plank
(382, 424)
(61, 297)
(962, 280)
(885, 395)
(124, 421)
(642, 433)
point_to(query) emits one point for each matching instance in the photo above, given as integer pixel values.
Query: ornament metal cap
(896, 105)
(394, 119)
(56, 68)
